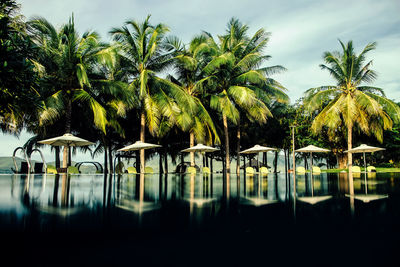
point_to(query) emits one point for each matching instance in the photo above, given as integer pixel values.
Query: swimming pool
(186, 220)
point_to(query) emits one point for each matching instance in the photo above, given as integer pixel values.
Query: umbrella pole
(65, 157)
(365, 163)
(312, 178)
(258, 163)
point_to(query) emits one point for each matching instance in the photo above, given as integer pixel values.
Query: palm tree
(241, 85)
(349, 103)
(143, 46)
(63, 61)
(194, 117)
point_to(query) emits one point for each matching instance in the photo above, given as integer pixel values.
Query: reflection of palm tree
(241, 86)
(348, 103)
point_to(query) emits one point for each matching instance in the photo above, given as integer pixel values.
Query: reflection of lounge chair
(72, 170)
(264, 171)
(300, 170)
(250, 171)
(51, 169)
(191, 170)
(316, 170)
(371, 169)
(131, 170)
(356, 169)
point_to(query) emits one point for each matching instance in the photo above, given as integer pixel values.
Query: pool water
(196, 220)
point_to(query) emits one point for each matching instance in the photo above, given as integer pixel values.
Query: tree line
(149, 85)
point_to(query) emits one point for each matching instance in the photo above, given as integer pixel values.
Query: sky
(301, 31)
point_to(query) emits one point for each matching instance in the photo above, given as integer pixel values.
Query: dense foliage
(148, 85)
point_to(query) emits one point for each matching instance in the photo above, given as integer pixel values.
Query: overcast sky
(301, 31)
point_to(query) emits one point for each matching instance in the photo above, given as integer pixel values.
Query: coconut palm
(349, 103)
(147, 54)
(194, 117)
(242, 86)
(63, 61)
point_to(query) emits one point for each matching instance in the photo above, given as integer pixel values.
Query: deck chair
(264, 171)
(191, 170)
(131, 170)
(51, 169)
(206, 170)
(250, 171)
(300, 170)
(72, 170)
(23, 168)
(356, 169)
(148, 169)
(38, 168)
(119, 168)
(371, 169)
(316, 170)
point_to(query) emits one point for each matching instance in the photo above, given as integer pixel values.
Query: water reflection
(195, 195)
(312, 189)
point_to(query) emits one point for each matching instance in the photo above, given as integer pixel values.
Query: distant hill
(6, 163)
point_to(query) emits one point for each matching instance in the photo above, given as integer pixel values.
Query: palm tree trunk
(68, 115)
(276, 161)
(238, 149)
(166, 160)
(142, 133)
(227, 159)
(105, 160)
(110, 157)
(192, 163)
(57, 149)
(349, 146)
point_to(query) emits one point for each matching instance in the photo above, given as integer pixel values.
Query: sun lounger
(316, 170)
(371, 169)
(355, 169)
(250, 171)
(300, 170)
(148, 169)
(264, 171)
(51, 169)
(72, 170)
(191, 170)
(131, 170)
(206, 170)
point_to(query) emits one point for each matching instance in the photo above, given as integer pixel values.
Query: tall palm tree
(63, 61)
(242, 86)
(194, 117)
(349, 103)
(143, 46)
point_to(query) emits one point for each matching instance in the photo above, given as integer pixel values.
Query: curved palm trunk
(227, 159)
(142, 132)
(192, 163)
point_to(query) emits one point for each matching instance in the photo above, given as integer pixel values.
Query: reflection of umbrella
(66, 140)
(257, 149)
(362, 149)
(139, 145)
(200, 148)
